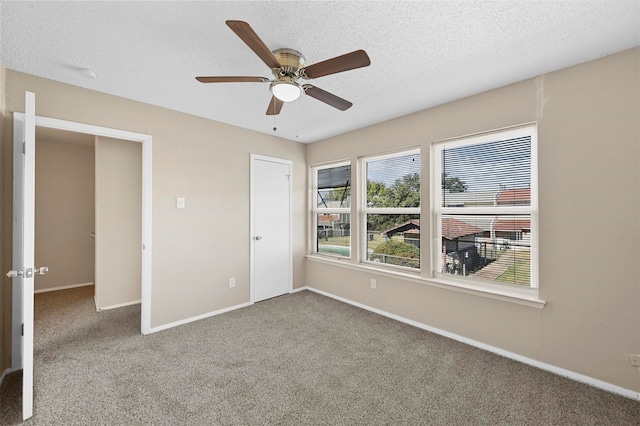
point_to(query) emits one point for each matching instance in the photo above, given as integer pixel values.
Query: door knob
(27, 272)
(13, 274)
(258, 237)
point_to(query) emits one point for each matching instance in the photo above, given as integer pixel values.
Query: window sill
(518, 296)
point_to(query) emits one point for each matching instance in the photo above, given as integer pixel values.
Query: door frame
(146, 140)
(252, 277)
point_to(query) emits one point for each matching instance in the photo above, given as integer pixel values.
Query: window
(484, 192)
(391, 209)
(332, 209)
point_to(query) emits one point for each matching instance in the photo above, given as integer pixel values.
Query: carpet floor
(299, 359)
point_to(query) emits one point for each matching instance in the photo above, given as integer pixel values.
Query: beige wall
(65, 213)
(118, 222)
(589, 220)
(197, 249)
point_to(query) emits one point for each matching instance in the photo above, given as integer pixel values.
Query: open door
(23, 248)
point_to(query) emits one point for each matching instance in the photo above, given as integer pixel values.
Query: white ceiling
(422, 54)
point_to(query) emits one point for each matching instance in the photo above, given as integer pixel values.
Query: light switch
(180, 203)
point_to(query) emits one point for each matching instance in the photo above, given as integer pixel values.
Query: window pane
(334, 234)
(394, 239)
(334, 187)
(490, 247)
(487, 174)
(394, 182)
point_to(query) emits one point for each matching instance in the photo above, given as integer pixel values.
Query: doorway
(23, 271)
(271, 252)
(88, 204)
(146, 142)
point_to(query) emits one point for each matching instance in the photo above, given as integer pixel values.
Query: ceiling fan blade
(231, 79)
(327, 98)
(274, 106)
(346, 62)
(244, 31)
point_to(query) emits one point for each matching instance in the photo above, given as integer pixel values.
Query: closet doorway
(88, 215)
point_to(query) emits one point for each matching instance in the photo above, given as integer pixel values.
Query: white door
(271, 227)
(23, 248)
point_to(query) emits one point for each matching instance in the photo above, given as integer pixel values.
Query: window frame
(437, 211)
(315, 210)
(364, 209)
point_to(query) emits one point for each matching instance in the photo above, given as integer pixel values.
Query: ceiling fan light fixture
(286, 91)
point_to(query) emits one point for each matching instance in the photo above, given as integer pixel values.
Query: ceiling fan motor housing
(291, 61)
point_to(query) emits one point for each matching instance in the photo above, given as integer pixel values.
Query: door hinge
(24, 147)
(22, 332)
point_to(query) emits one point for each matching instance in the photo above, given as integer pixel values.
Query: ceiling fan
(288, 66)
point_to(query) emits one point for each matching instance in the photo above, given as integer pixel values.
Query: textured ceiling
(422, 53)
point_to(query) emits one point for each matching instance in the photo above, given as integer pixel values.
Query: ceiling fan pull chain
(274, 117)
(298, 117)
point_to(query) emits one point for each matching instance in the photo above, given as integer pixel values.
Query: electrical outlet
(180, 202)
(635, 360)
(232, 282)
(373, 283)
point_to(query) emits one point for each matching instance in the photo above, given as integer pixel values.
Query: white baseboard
(507, 354)
(120, 305)
(64, 287)
(198, 317)
(4, 374)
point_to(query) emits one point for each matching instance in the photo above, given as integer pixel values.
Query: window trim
(437, 211)
(315, 210)
(424, 275)
(364, 210)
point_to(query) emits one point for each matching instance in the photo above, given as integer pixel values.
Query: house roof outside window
(518, 196)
